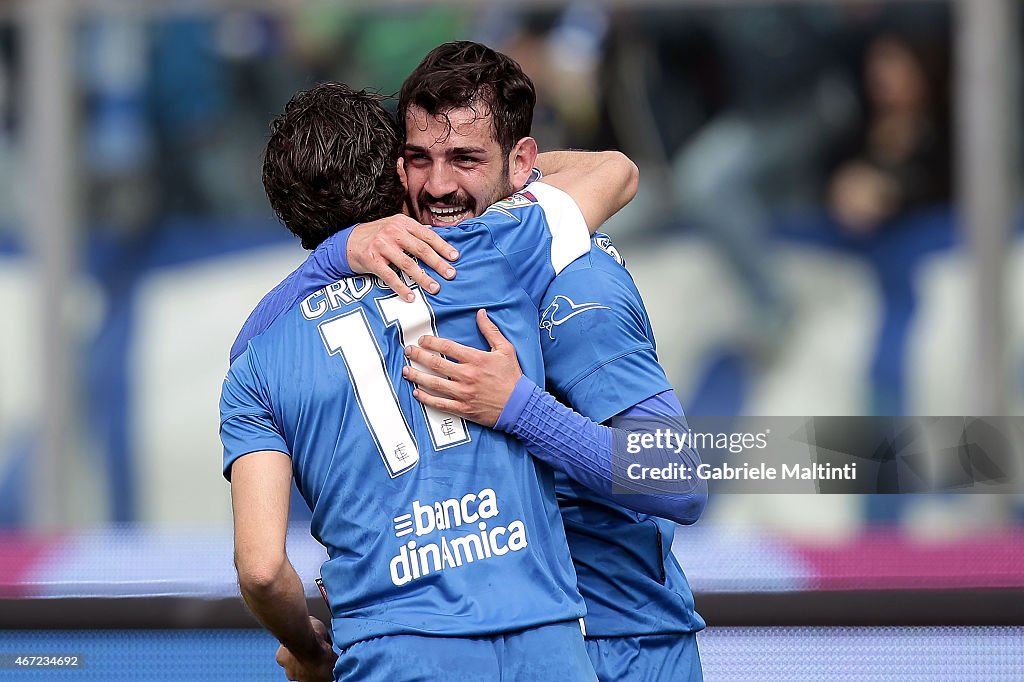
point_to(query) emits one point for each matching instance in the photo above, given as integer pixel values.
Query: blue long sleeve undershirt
(582, 449)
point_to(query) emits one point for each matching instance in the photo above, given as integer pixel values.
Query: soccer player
(599, 357)
(447, 557)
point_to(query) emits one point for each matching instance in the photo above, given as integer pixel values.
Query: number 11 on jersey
(350, 335)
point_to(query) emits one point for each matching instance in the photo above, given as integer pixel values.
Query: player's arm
(256, 463)
(541, 230)
(260, 489)
(662, 409)
(600, 183)
(490, 389)
(384, 248)
(600, 359)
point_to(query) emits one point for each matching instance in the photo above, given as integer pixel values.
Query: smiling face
(454, 167)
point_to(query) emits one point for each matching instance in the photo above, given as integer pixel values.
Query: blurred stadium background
(828, 224)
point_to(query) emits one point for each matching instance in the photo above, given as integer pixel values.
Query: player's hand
(478, 384)
(398, 241)
(315, 668)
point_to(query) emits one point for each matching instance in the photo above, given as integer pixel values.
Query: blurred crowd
(752, 120)
(736, 112)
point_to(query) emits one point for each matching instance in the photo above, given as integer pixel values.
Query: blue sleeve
(597, 341)
(246, 420)
(666, 405)
(538, 231)
(331, 257)
(583, 450)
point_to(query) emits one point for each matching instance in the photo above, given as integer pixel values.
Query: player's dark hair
(330, 162)
(465, 74)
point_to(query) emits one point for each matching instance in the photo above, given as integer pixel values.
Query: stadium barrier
(129, 577)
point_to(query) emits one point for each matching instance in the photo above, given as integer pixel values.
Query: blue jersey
(600, 358)
(433, 525)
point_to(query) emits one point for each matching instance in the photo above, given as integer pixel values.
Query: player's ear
(400, 164)
(521, 161)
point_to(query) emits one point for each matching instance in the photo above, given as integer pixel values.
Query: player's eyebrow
(461, 151)
(454, 151)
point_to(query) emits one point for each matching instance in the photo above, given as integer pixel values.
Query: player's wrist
(343, 260)
(307, 649)
(516, 403)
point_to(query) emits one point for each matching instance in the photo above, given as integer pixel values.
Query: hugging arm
(600, 183)
(488, 387)
(386, 247)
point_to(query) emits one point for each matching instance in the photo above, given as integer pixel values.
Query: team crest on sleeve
(604, 242)
(561, 310)
(517, 200)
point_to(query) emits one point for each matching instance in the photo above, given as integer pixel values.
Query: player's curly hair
(330, 162)
(464, 74)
